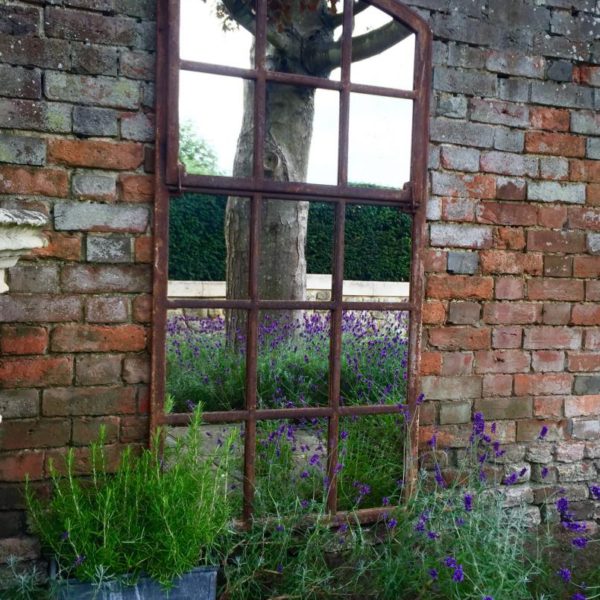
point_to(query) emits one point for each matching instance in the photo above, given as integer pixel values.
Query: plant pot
(198, 584)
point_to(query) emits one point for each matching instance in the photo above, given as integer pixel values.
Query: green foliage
(161, 516)
(195, 153)
(22, 583)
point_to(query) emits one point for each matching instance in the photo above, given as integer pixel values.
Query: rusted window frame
(171, 178)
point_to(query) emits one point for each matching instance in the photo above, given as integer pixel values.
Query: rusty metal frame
(171, 178)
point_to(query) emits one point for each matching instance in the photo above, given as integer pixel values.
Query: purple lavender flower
(420, 398)
(64, 535)
(459, 522)
(578, 596)
(468, 502)
(580, 542)
(438, 477)
(79, 560)
(595, 490)
(544, 472)
(564, 574)
(511, 479)
(450, 561)
(279, 528)
(432, 442)
(433, 573)
(392, 523)
(458, 574)
(488, 598)
(280, 568)
(543, 432)
(433, 535)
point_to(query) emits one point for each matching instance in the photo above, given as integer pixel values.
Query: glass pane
(293, 359)
(207, 35)
(370, 466)
(204, 364)
(291, 466)
(393, 67)
(377, 253)
(380, 134)
(296, 238)
(301, 134)
(216, 136)
(374, 357)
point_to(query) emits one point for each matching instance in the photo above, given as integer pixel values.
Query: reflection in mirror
(210, 116)
(380, 135)
(374, 357)
(393, 67)
(293, 359)
(202, 366)
(291, 467)
(370, 470)
(207, 36)
(377, 257)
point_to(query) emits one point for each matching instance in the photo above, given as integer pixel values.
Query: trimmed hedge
(378, 240)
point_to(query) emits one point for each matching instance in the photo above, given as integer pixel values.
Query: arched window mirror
(291, 177)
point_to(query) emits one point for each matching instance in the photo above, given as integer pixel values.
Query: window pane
(211, 117)
(301, 135)
(374, 357)
(370, 461)
(380, 136)
(293, 359)
(393, 67)
(203, 365)
(206, 36)
(377, 257)
(291, 466)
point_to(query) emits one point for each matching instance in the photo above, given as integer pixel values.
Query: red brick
(82, 463)
(448, 436)
(477, 186)
(460, 338)
(592, 194)
(434, 260)
(434, 313)
(144, 249)
(509, 336)
(107, 309)
(559, 144)
(23, 339)
(581, 217)
(497, 385)
(550, 119)
(586, 74)
(529, 430)
(460, 287)
(505, 408)
(555, 289)
(89, 401)
(503, 213)
(556, 313)
(584, 361)
(556, 241)
(548, 360)
(586, 266)
(15, 465)
(98, 338)
(592, 339)
(553, 217)
(585, 170)
(31, 181)
(134, 429)
(96, 154)
(512, 313)
(509, 238)
(458, 209)
(143, 399)
(552, 338)
(457, 363)
(81, 278)
(39, 308)
(431, 363)
(548, 406)
(499, 261)
(592, 291)
(558, 266)
(65, 246)
(136, 369)
(576, 406)
(98, 369)
(36, 372)
(515, 189)
(35, 433)
(586, 314)
(142, 308)
(137, 188)
(509, 288)
(502, 361)
(87, 429)
(464, 313)
(542, 384)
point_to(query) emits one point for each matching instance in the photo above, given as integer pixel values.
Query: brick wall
(511, 319)
(76, 128)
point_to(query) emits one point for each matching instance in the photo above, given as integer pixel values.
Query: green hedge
(378, 240)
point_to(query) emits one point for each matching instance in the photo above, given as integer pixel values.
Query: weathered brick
(548, 360)
(144, 249)
(35, 433)
(553, 167)
(37, 278)
(592, 339)
(98, 338)
(549, 338)
(513, 63)
(89, 216)
(556, 241)
(136, 369)
(499, 261)
(585, 314)
(23, 339)
(505, 408)
(585, 170)
(583, 28)
(550, 119)
(100, 279)
(548, 406)
(458, 209)
(35, 372)
(457, 363)
(455, 412)
(50, 117)
(497, 385)
(511, 189)
(19, 404)
(560, 70)
(19, 20)
(512, 313)
(98, 369)
(431, 364)
(593, 148)
(587, 385)
(34, 51)
(466, 186)
(460, 338)
(18, 82)
(87, 429)
(87, 89)
(434, 312)
(99, 154)
(142, 308)
(592, 291)
(16, 308)
(577, 406)
(514, 89)
(556, 313)
(90, 59)
(565, 95)
(14, 466)
(92, 401)
(587, 75)
(136, 64)
(506, 163)
(137, 188)
(460, 236)
(451, 388)
(509, 140)
(33, 181)
(60, 245)
(583, 361)
(457, 158)
(558, 266)
(551, 191)
(586, 266)
(459, 287)
(463, 262)
(584, 429)
(94, 186)
(509, 288)
(464, 313)
(543, 384)
(559, 144)
(509, 336)
(502, 361)
(499, 113)
(89, 120)
(586, 122)
(22, 150)
(552, 216)
(137, 126)
(108, 249)
(593, 194)
(513, 238)
(453, 107)
(451, 131)
(106, 309)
